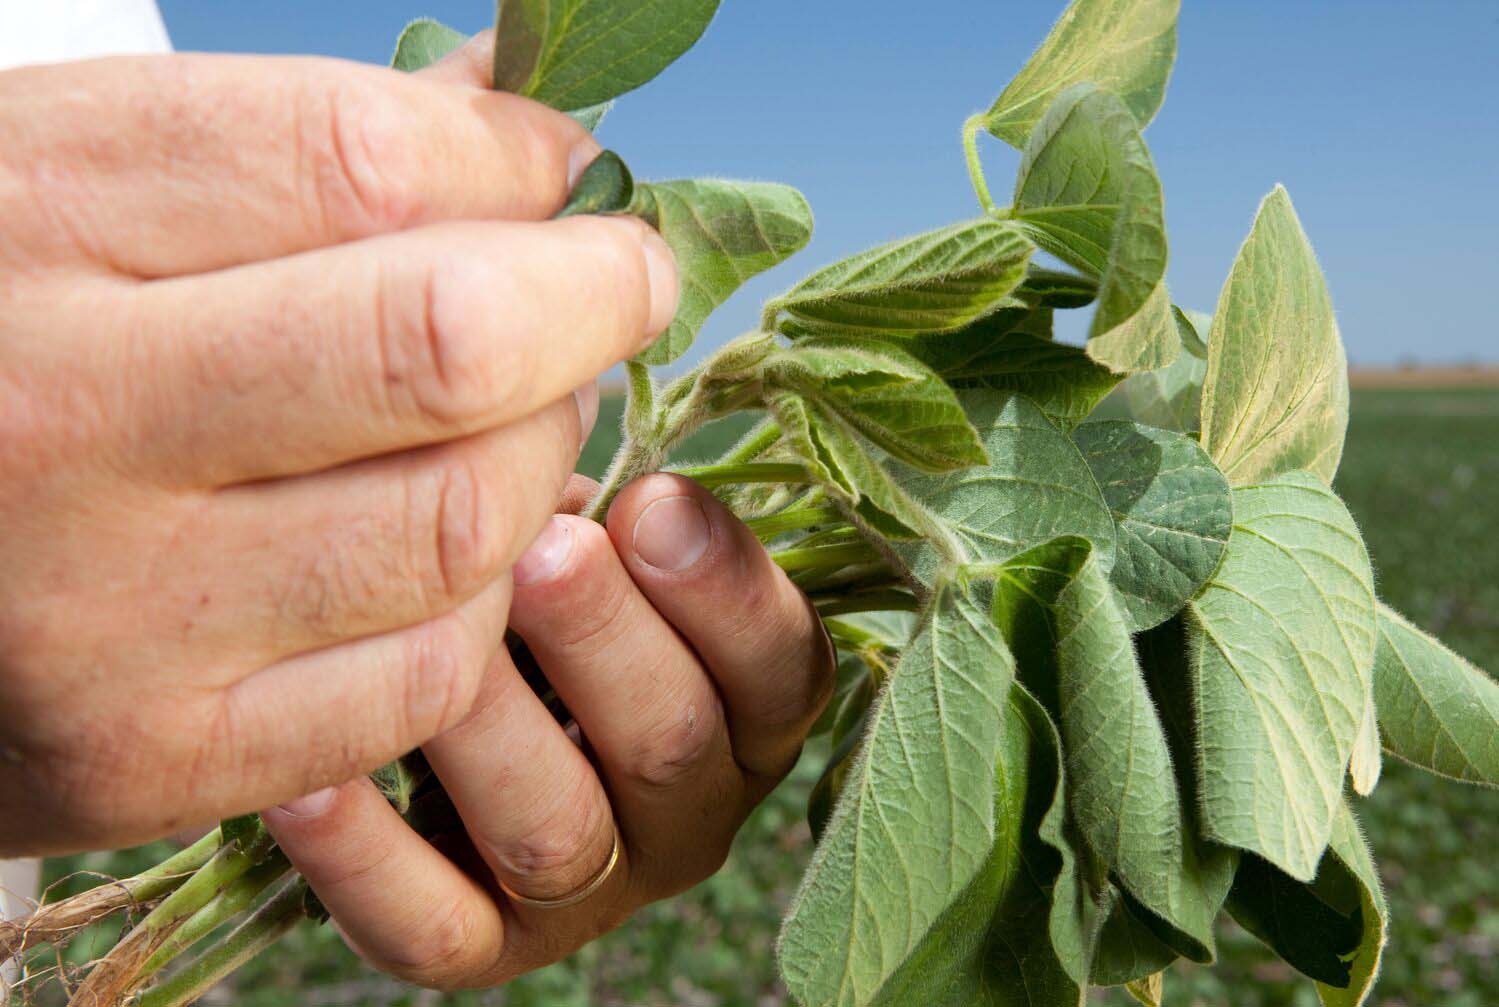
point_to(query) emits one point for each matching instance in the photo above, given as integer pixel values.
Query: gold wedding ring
(572, 898)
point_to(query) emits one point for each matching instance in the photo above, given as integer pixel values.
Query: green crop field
(1421, 473)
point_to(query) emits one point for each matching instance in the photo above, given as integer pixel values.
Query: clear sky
(1380, 116)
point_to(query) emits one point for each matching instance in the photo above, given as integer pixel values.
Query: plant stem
(714, 476)
(268, 925)
(827, 557)
(794, 519)
(882, 600)
(640, 402)
(971, 130)
(754, 444)
(229, 903)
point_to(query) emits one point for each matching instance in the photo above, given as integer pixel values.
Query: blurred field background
(1421, 473)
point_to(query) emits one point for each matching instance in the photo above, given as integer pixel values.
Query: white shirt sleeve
(50, 31)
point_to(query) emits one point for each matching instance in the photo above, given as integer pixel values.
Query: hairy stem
(971, 130)
(265, 927)
(794, 519)
(826, 557)
(115, 977)
(714, 476)
(229, 903)
(754, 444)
(880, 600)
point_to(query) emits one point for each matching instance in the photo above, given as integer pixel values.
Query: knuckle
(559, 854)
(440, 953)
(444, 667)
(467, 521)
(365, 176)
(672, 751)
(435, 359)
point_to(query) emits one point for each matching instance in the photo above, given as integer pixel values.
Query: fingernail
(584, 154)
(661, 273)
(311, 805)
(546, 556)
(672, 534)
(587, 399)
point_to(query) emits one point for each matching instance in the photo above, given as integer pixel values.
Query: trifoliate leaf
(606, 186)
(1060, 379)
(916, 822)
(885, 394)
(1333, 928)
(1348, 848)
(1436, 710)
(1087, 192)
(1122, 788)
(723, 233)
(1124, 948)
(1365, 764)
(933, 282)
(1036, 487)
(994, 947)
(424, 42)
(1283, 645)
(1125, 46)
(570, 54)
(1174, 510)
(1276, 394)
(1171, 397)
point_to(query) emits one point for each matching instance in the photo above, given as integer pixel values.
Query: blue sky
(1380, 116)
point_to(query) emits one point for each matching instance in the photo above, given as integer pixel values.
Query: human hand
(287, 359)
(694, 669)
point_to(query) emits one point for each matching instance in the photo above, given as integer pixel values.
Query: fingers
(329, 716)
(223, 160)
(757, 634)
(648, 711)
(304, 563)
(529, 798)
(308, 362)
(398, 901)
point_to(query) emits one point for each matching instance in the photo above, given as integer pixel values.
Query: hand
(287, 361)
(694, 669)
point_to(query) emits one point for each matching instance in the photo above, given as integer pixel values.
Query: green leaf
(1060, 379)
(1169, 397)
(1332, 929)
(1125, 46)
(1283, 644)
(1365, 764)
(606, 186)
(1436, 710)
(916, 822)
(1087, 192)
(885, 394)
(570, 54)
(1289, 916)
(851, 473)
(1055, 288)
(1125, 950)
(995, 947)
(1122, 788)
(723, 233)
(591, 117)
(424, 42)
(1036, 487)
(933, 282)
(1149, 991)
(1348, 848)
(1174, 510)
(1276, 394)
(1193, 327)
